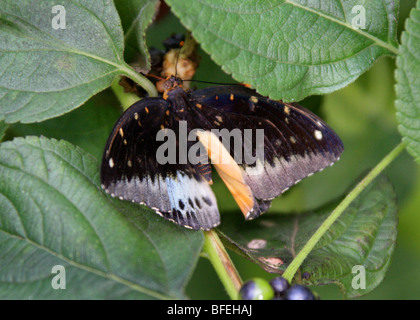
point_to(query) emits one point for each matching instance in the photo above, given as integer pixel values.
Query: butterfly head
(171, 83)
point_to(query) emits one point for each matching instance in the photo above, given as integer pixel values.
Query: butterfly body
(296, 143)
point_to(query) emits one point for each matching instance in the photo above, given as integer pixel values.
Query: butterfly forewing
(296, 142)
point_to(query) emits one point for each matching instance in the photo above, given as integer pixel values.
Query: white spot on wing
(255, 170)
(254, 99)
(318, 134)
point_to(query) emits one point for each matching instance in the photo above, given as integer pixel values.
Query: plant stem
(291, 270)
(126, 98)
(141, 80)
(222, 264)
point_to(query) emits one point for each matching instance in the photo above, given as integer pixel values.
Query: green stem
(126, 98)
(222, 264)
(141, 80)
(291, 270)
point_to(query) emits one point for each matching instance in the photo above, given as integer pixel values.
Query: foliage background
(363, 114)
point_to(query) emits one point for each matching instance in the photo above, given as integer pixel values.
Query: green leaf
(364, 235)
(289, 49)
(136, 16)
(408, 84)
(53, 212)
(46, 72)
(87, 127)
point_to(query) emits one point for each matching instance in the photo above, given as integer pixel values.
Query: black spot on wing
(198, 203)
(207, 201)
(181, 204)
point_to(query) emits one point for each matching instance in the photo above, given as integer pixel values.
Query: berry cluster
(277, 289)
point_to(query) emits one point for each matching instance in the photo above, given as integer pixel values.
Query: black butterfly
(296, 143)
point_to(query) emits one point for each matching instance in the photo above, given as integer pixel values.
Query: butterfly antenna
(176, 62)
(154, 76)
(223, 83)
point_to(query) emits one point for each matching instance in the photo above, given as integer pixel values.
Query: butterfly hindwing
(296, 142)
(130, 170)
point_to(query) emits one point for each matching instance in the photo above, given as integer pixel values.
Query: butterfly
(295, 144)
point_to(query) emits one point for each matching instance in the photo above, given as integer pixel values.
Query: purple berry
(298, 292)
(256, 289)
(279, 285)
